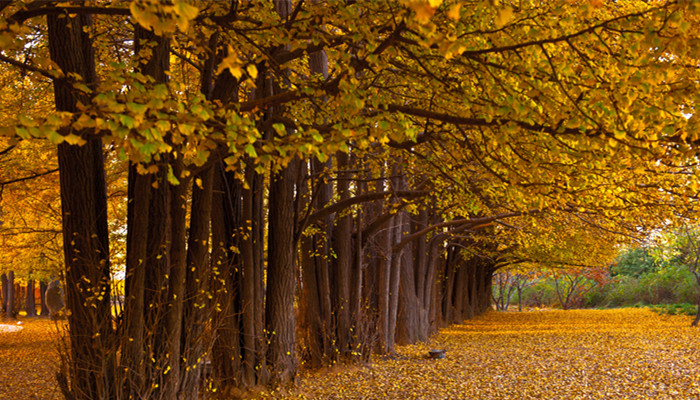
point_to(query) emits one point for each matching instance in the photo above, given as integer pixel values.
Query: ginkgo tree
(383, 154)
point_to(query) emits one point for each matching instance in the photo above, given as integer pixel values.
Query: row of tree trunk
(229, 272)
(15, 297)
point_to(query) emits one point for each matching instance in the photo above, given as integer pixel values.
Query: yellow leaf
(453, 12)
(424, 11)
(505, 15)
(252, 71)
(74, 139)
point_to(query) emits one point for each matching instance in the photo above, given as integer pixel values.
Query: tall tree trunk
(461, 293)
(30, 302)
(344, 261)
(315, 253)
(42, 292)
(3, 298)
(10, 296)
(280, 315)
(176, 280)
(384, 290)
(358, 319)
(394, 282)
(85, 231)
(133, 345)
(226, 216)
(250, 266)
(196, 309)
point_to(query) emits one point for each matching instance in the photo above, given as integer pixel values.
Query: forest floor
(578, 354)
(29, 359)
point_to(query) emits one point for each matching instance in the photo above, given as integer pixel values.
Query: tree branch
(363, 198)
(30, 177)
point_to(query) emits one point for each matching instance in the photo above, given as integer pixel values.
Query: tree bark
(42, 292)
(343, 249)
(30, 303)
(3, 298)
(384, 290)
(226, 216)
(85, 231)
(196, 309)
(280, 316)
(133, 345)
(10, 296)
(176, 289)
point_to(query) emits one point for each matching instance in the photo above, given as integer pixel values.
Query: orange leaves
(612, 354)
(29, 361)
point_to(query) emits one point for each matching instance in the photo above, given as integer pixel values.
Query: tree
(447, 140)
(680, 246)
(634, 262)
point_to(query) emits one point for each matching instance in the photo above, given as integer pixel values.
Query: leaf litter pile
(584, 354)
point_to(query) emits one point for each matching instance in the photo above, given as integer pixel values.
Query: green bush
(675, 309)
(667, 285)
(541, 294)
(634, 262)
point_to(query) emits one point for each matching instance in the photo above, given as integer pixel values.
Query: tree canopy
(371, 163)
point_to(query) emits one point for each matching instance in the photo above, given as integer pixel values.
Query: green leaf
(171, 176)
(250, 150)
(74, 139)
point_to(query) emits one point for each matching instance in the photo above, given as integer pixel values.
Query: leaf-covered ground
(587, 354)
(29, 361)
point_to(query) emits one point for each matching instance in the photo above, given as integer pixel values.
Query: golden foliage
(582, 354)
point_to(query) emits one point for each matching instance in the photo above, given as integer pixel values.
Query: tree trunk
(697, 315)
(361, 336)
(3, 293)
(225, 218)
(176, 280)
(449, 284)
(196, 308)
(3, 299)
(85, 231)
(280, 316)
(250, 266)
(42, 292)
(10, 296)
(461, 293)
(30, 302)
(133, 345)
(344, 261)
(384, 290)
(316, 294)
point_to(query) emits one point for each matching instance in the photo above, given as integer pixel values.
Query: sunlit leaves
(163, 18)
